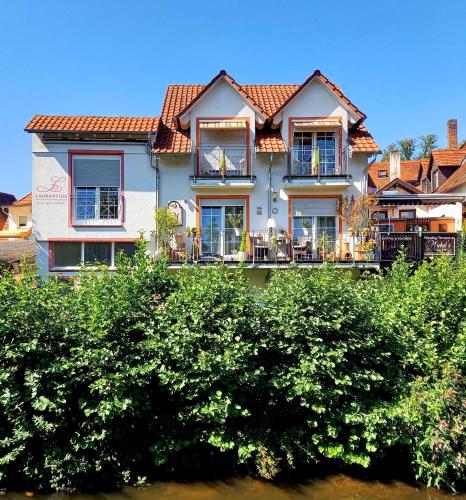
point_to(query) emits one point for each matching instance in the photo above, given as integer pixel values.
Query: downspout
(8, 215)
(157, 175)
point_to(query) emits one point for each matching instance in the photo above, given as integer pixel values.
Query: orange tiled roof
(362, 141)
(268, 98)
(456, 179)
(117, 124)
(448, 157)
(24, 201)
(410, 172)
(270, 141)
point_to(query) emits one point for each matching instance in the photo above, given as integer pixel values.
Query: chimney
(452, 134)
(395, 167)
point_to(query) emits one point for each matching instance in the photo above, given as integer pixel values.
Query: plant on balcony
(166, 225)
(306, 226)
(223, 164)
(236, 222)
(243, 245)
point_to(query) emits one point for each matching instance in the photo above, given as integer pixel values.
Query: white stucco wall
(15, 213)
(51, 209)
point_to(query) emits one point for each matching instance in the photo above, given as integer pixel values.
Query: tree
(387, 151)
(407, 147)
(427, 143)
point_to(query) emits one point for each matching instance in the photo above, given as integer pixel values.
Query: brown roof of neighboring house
(410, 172)
(7, 199)
(267, 98)
(24, 201)
(116, 124)
(456, 179)
(14, 251)
(401, 183)
(448, 157)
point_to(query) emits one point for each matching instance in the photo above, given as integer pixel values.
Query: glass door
(221, 230)
(211, 230)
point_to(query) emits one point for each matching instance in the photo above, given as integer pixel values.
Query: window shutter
(96, 173)
(314, 206)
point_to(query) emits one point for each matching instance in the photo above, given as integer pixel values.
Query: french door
(221, 228)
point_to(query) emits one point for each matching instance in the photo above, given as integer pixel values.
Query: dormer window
(382, 173)
(435, 180)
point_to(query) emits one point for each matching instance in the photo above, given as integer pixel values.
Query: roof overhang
(393, 199)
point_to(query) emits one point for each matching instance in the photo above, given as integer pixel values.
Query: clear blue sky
(402, 62)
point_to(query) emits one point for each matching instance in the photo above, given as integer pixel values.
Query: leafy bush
(117, 376)
(328, 369)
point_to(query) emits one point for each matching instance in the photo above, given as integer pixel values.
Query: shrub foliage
(118, 376)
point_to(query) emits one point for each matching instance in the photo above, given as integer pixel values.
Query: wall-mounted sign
(175, 208)
(52, 192)
(437, 244)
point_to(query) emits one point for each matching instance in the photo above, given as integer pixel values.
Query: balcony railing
(105, 208)
(318, 162)
(217, 160)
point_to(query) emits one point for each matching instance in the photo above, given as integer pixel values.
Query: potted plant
(223, 165)
(242, 246)
(166, 225)
(236, 221)
(306, 227)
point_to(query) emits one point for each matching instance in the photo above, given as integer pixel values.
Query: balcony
(222, 165)
(97, 207)
(314, 166)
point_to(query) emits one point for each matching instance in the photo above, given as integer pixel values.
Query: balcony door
(314, 153)
(222, 223)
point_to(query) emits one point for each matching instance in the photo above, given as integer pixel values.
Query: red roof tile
(268, 98)
(117, 124)
(362, 141)
(270, 141)
(410, 172)
(24, 201)
(448, 157)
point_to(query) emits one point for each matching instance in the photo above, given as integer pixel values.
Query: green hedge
(121, 376)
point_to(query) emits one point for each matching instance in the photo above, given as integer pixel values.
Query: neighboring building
(6, 200)
(224, 157)
(427, 193)
(14, 253)
(18, 223)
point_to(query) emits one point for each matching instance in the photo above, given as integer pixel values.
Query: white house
(268, 165)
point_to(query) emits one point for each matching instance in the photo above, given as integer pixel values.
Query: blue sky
(402, 62)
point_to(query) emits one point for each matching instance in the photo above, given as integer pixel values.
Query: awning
(15, 234)
(311, 124)
(223, 125)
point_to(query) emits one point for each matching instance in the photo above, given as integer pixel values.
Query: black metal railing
(221, 160)
(309, 161)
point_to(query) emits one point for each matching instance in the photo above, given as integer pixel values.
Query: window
(96, 184)
(381, 215)
(407, 214)
(96, 252)
(129, 249)
(22, 221)
(386, 228)
(382, 173)
(67, 254)
(70, 255)
(314, 153)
